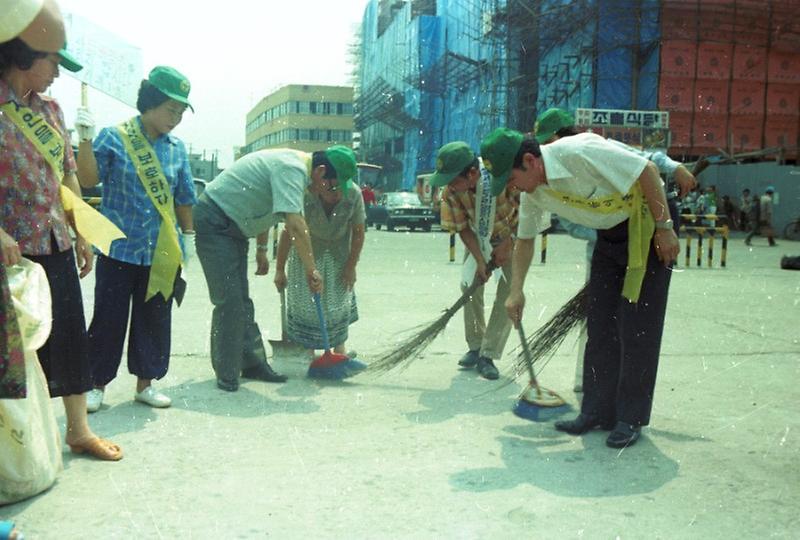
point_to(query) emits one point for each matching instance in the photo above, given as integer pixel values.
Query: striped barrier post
(544, 248)
(700, 231)
(712, 232)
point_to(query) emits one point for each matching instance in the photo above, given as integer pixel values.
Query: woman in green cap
(37, 178)
(334, 212)
(148, 192)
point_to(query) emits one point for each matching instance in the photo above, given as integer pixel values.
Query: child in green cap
(486, 225)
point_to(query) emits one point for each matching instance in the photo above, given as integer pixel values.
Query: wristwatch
(666, 224)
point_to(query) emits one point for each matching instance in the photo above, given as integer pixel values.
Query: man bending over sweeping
(595, 183)
(243, 202)
(487, 225)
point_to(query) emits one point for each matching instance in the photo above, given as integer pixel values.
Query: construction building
(303, 117)
(696, 76)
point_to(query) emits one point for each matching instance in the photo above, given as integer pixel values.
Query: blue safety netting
(446, 73)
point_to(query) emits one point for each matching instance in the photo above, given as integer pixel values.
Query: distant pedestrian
(745, 210)
(764, 227)
(368, 195)
(148, 192)
(243, 202)
(730, 213)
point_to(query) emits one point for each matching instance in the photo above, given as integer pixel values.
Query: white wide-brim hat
(37, 22)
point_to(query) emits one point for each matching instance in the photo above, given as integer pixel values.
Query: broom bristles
(411, 348)
(545, 341)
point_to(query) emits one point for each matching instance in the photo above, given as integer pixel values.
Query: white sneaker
(94, 398)
(150, 396)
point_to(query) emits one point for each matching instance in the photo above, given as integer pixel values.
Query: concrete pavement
(427, 452)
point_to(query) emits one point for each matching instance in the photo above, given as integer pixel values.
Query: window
(313, 107)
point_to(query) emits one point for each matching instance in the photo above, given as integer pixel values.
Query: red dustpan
(329, 365)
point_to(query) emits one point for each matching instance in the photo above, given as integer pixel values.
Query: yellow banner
(167, 256)
(97, 229)
(641, 227)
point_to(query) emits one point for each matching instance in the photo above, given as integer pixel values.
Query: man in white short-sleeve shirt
(597, 184)
(243, 202)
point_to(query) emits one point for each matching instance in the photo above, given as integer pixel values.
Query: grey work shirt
(259, 188)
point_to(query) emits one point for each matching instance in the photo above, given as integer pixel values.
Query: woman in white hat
(36, 159)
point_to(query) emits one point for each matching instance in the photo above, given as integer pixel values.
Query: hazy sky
(234, 52)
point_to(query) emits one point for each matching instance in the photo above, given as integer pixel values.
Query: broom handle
(491, 267)
(322, 326)
(526, 352)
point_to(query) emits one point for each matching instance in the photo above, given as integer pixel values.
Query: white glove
(189, 250)
(84, 124)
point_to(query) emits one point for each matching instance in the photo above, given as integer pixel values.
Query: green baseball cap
(343, 160)
(172, 83)
(68, 61)
(498, 150)
(452, 158)
(549, 122)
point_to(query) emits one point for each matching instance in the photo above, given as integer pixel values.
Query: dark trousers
(624, 339)
(63, 357)
(120, 290)
(236, 342)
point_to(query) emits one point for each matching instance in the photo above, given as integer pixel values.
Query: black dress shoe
(486, 368)
(623, 435)
(469, 360)
(228, 386)
(263, 372)
(581, 424)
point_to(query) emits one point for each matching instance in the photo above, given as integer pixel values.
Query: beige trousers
(489, 340)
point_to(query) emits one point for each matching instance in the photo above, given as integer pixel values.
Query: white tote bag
(30, 444)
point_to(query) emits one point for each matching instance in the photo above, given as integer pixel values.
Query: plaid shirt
(458, 212)
(125, 201)
(30, 204)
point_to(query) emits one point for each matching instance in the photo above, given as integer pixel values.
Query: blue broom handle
(322, 326)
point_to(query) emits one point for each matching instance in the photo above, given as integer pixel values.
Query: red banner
(749, 63)
(746, 132)
(783, 67)
(714, 60)
(752, 23)
(678, 21)
(680, 124)
(678, 59)
(709, 131)
(782, 131)
(747, 97)
(676, 94)
(783, 99)
(715, 21)
(711, 96)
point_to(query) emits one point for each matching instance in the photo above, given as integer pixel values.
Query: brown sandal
(99, 448)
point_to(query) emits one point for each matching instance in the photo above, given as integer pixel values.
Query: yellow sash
(641, 227)
(97, 229)
(167, 256)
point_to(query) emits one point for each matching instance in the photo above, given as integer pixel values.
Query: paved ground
(428, 453)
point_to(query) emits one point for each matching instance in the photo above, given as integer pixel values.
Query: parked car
(400, 209)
